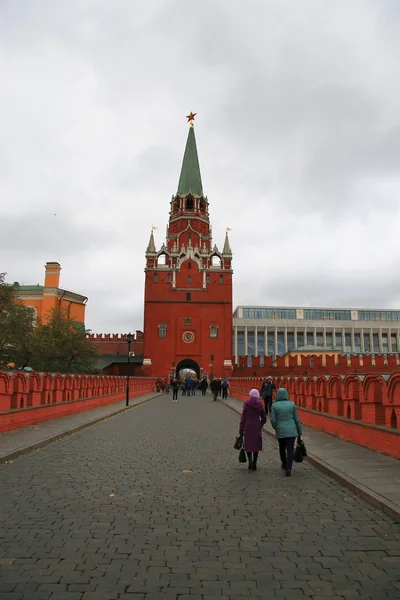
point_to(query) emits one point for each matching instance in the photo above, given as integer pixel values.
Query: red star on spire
(191, 117)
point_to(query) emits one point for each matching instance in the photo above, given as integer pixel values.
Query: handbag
(242, 456)
(238, 442)
(300, 451)
(303, 447)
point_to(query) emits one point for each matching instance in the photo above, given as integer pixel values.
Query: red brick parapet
(30, 398)
(364, 409)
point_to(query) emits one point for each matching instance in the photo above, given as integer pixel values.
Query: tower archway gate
(188, 363)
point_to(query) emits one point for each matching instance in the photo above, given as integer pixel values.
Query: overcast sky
(298, 134)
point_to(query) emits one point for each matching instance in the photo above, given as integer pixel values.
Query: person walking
(214, 389)
(251, 422)
(203, 386)
(224, 387)
(219, 385)
(266, 393)
(285, 420)
(175, 389)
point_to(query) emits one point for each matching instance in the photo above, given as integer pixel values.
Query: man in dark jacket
(214, 388)
(266, 393)
(204, 385)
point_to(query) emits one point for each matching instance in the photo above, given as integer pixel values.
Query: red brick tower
(188, 286)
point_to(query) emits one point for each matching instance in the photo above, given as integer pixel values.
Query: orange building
(44, 298)
(188, 286)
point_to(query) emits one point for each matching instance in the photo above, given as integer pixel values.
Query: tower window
(189, 235)
(189, 203)
(188, 297)
(208, 279)
(155, 278)
(213, 331)
(162, 331)
(168, 278)
(221, 279)
(188, 321)
(189, 279)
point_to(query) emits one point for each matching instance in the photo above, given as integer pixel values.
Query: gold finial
(190, 118)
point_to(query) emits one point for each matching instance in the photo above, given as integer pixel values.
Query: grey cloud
(298, 134)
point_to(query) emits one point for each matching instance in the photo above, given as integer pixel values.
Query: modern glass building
(275, 330)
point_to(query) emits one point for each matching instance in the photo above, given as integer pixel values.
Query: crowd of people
(189, 385)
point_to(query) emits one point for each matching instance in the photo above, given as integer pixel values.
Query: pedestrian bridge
(152, 503)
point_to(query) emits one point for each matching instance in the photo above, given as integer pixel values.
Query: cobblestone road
(153, 504)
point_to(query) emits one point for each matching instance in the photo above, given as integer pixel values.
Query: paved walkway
(153, 504)
(373, 476)
(19, 441)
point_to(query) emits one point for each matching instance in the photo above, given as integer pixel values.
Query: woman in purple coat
(251, 422)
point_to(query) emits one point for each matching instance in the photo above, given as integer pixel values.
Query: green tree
(16, 326)
(61, 345)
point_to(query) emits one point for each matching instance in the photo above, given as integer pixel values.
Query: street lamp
(129, 340)
(212, 366)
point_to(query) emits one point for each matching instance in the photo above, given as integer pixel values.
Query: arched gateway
(188, 363)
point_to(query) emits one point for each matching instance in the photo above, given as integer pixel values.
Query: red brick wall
(116, 343)
(343, 406)
(27, 399)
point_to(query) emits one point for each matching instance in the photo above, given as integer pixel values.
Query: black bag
(300, 451)
(298, 454)
(303, 447)
(242, 456)
(238, 443)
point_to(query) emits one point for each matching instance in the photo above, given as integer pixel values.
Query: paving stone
(113, 513)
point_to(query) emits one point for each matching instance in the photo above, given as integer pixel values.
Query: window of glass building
(385, 342)
(300, 339)
(250, 342)
(347, 342)
(240, 343)
(281, 342)
(260, 342)
(329, 339)
(269, 313)
(376, 342)
(320, 339)
(379, 315)
(394, 342)
(357, 342)
(290, 340)
(317, 315)
(249, 360)
(310, 338)
(271, 343)
(339, 340)
(367, 343)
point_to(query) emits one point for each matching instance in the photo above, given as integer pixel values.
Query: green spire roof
(190, 179)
